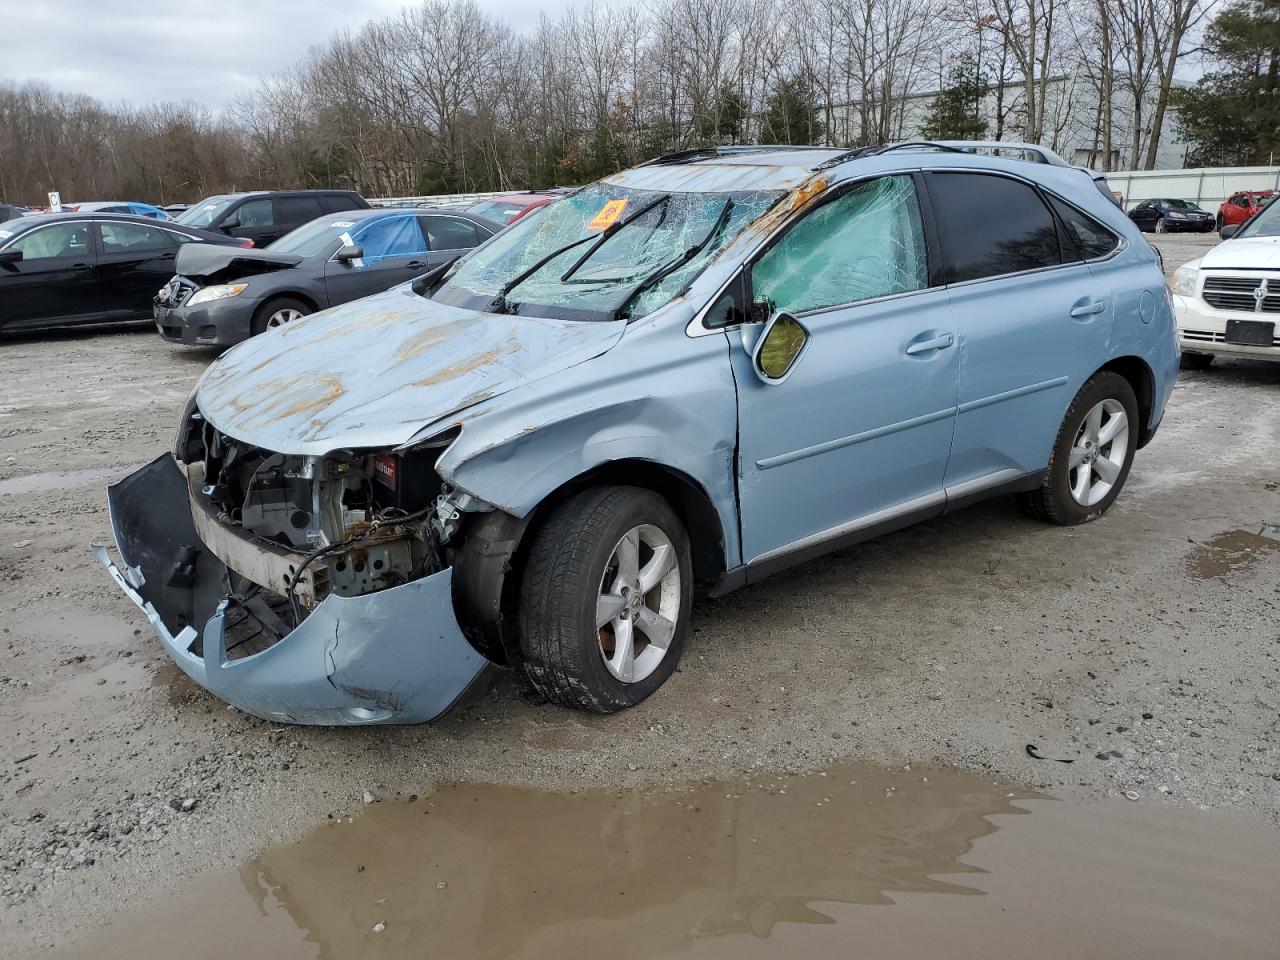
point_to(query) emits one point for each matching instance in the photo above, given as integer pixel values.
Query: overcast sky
(204, 50)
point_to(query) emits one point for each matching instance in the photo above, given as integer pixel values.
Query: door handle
(414, 265)
(1089, 309)
(80, 266)
(924, 346)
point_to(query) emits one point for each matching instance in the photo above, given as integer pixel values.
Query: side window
(866, 243)
(256, 213)
(390, 237)
(298, 210)
(1240, 201)
(62, 240)
(452, 233)
(340, 201)
(991, 226)
(133, 238)
(1091, 238)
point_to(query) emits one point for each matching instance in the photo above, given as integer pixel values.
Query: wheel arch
(1138, 372)
(488, 564)
(289, 294)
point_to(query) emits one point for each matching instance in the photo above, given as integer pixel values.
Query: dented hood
(374, 372)
(207, 260)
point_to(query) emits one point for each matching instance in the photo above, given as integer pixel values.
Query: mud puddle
(857, 861)
(63, 480)
(1231, 551)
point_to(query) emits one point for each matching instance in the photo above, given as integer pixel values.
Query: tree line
(442, 97)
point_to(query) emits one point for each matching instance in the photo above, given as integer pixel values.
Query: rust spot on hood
(428, 339)
(468, 364)
(330, 390)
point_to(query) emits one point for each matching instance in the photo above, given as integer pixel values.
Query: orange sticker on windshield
(610, 212)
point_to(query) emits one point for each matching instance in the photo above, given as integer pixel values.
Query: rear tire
(1091, 455)
(276, 312)
(1196, 361)
(590, 638)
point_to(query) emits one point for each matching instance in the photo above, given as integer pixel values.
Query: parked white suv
(1227, 303)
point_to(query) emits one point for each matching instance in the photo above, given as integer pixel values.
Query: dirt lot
(1144, 647)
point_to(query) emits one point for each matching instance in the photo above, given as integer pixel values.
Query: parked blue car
(685, 376)
(133, 207)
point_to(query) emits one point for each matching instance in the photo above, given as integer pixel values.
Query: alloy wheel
(639, 603)
(281, 317)
(1099, 452)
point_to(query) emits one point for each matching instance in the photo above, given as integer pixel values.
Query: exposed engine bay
(293, 530)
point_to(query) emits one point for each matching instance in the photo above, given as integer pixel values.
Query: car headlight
(1175, 215)
(218, 291)
(1185, 279)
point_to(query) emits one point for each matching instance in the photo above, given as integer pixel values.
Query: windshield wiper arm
(499, 303)
(674, 264)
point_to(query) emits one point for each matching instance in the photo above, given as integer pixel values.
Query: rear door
(1034, 323)
(293, 212)
(394, 251)
(136, 260)
(449, 237)
(56, 280)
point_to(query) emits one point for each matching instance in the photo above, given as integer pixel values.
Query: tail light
(243, 242)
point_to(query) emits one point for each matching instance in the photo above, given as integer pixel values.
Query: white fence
(1207, 186)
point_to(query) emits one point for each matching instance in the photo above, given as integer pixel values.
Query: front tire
(1091, 455)
(276, 312)
(1161, 226)
(605, 596)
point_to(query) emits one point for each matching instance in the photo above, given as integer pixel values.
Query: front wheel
(1161, 227)
(277, 312)
(1092, 453)
(605, 598)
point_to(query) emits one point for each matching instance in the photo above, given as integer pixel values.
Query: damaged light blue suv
(687, 375)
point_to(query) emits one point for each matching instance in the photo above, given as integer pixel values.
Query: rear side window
(298, 210)
(134, 238)
(1091, 239)
(991, 226)
(341, 201)
(452, 233)
(865, 244)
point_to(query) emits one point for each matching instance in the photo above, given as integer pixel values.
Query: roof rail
(699, 153)
(875, 151)
(1037, 153)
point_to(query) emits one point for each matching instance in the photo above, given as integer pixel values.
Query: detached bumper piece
(395, 656)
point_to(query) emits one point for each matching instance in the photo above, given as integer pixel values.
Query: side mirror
(10, 256)
(230, 223)
(779, 348)
(349, 252)
(1229, 230)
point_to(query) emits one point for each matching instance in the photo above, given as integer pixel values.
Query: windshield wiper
(499, 303)
(672, 265)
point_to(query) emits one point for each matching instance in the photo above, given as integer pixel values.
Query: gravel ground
(1143, 647)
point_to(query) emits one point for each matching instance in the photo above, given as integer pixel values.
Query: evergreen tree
(1232, 116)
(791, 114)
(956, 112)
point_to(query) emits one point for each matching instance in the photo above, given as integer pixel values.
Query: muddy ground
(1143, 647)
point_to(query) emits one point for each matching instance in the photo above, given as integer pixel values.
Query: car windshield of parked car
(315, 238)
(618, 249)
(208, 213)
(1181, 205)
(1265, 223)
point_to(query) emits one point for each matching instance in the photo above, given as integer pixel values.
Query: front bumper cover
(395, 656)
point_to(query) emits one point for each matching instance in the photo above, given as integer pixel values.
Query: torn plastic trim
(394, 656)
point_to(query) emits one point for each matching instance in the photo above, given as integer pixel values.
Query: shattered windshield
(608, 251)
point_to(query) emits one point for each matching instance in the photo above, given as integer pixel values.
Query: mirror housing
(781, 344)
(348, 252)
(10, 256)
(230, 223)
(1229, 230)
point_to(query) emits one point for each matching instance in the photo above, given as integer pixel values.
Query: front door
(1034, 322)
(56, 280)
(858, 433)
(394, 250)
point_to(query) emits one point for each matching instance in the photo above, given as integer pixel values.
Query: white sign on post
(55, 202)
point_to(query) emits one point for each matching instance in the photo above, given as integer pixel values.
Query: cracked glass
(867, 243)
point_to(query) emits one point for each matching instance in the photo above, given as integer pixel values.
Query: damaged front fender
(394, 656)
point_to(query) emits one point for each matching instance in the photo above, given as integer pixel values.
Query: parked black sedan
(222, 296)
(76, 269)
(1167, 215)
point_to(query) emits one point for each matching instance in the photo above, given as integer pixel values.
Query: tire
(1219, 222)
(1196, 361)
(571, 575)
(1160, 226)
(276, 312)
(1055, 500)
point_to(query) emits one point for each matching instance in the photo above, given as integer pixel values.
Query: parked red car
(510, 207)
(1239, 207)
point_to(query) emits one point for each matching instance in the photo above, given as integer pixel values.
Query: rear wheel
(1092, 454)
(277, 312)
(605, 598)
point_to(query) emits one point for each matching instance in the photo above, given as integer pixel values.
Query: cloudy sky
(202, 50)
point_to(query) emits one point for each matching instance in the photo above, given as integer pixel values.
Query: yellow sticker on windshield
(610, 212)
